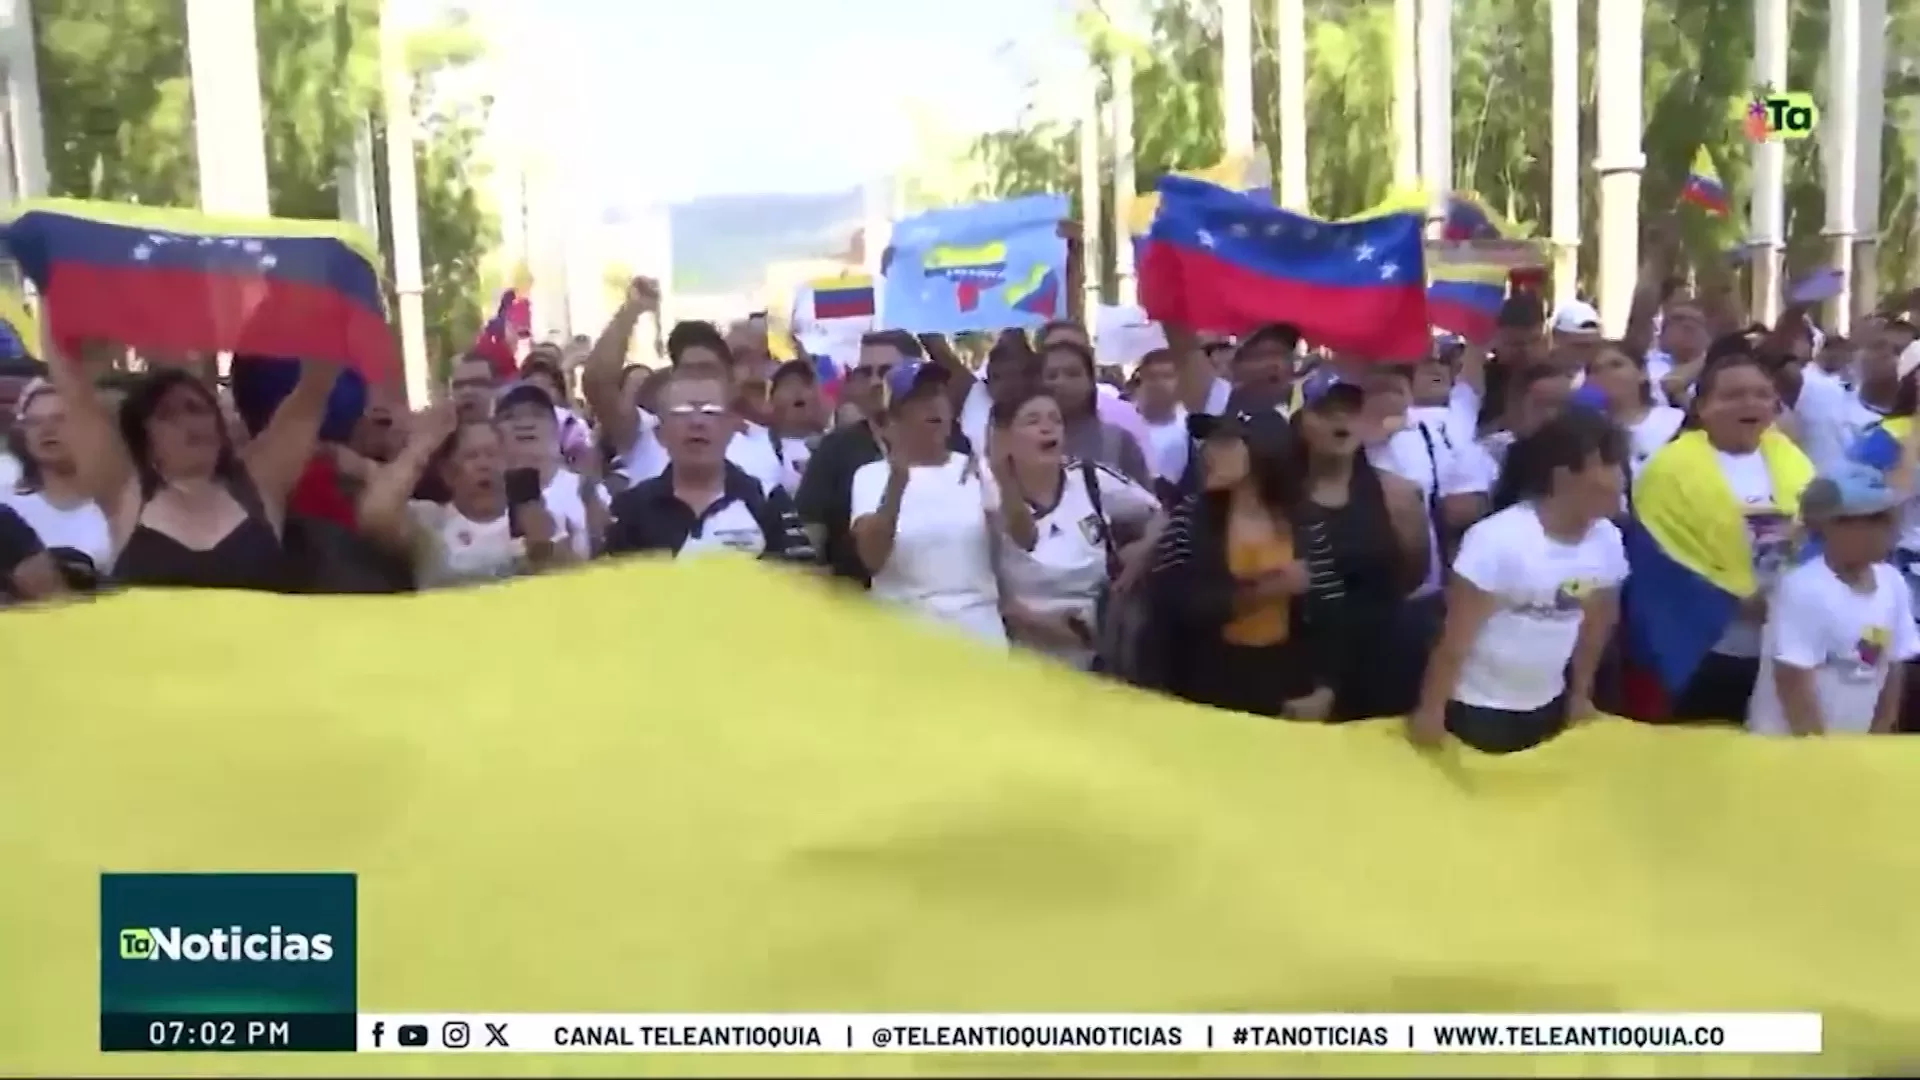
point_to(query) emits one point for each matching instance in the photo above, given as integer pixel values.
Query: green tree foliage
(118, 107)
(1698, 71)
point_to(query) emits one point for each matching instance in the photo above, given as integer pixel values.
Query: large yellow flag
(642, 820)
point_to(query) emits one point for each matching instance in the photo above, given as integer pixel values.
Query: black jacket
(649, 517)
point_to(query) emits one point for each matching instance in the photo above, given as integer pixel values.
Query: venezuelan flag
(1466, 299)
(1703, 187)
(1469, 218)
(1221, 260)
(1239, 172)
(1692, 565)
(843, 298)
(183, 281)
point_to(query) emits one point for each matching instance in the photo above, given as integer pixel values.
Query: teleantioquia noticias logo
(231, 944)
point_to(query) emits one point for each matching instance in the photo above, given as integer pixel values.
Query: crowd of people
(1245, 523)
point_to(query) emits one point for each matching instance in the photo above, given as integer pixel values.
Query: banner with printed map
(980, 267)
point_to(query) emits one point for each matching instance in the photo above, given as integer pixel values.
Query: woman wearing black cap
(1227, 575)
(1365, 540)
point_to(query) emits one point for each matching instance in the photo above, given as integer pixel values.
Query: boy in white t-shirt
(1840, 624)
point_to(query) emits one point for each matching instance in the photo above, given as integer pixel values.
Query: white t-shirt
(1849, 640)
(82, 528)
(1651, 432)
(454, 549)
(794, 455)
(1769, 536)
(942, 562)
(1425, 455)
(1066, 571)
(1829, 419)
(1168, 445)
(976, 414)
(1659, 366)
(1518, 663)
(569, 510)
(9, 471)
(732, 528)
(751, 449)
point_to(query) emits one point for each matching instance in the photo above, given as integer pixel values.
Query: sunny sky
(731, 96)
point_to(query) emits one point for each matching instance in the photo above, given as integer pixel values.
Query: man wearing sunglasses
(701, 501)
(825, 499)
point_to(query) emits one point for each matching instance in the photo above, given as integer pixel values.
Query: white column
(1565, 29)
(1123, 174)
(1873, 119)
(1617, 63)
(403, 204)
(1290, 30)
(1406, 93)
(1769, 209)
(1236, 75)
(229, 140)
(26, 129)
(1839, 150)
(1436, 105)
(359, 199)
(1090, 190)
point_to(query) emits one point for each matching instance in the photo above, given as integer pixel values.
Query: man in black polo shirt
(701, 501)
(825, 499)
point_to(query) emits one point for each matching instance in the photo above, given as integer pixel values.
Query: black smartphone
(523, 487)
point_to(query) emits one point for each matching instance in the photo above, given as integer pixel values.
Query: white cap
(1909, 360)
(1576, 317)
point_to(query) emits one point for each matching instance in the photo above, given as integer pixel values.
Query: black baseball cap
(1265, 431)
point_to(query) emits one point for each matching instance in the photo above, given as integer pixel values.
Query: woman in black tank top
(185, 508)
(1363, 534)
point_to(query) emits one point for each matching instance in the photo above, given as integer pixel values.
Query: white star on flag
(1273, 229)
(268, 262)
(142, 252)
(1387, 270)
(1205, 237)
(1364, 253)
(1309, 232)
(206, 241)
(1238, 229)
(252, 247)
(230, 241)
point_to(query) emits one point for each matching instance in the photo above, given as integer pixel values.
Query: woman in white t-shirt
(1534, 596)
(1840, 626)
(923, 517)
(1620, 376)
(1050, 590)
(48, 494)
(470, 538)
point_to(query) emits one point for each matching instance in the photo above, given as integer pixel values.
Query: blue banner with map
(980, 267)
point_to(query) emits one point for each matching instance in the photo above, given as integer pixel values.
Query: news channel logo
(173, 944)
(1779, 114)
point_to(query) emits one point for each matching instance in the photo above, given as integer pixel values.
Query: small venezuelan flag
(843, 298)
(182, 281)
(1466, 299)
(1703, 187)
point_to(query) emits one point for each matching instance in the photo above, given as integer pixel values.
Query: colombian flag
(183, 281)
(843, 298)
(1703, 187)
(1691, 562)
(1466, 299)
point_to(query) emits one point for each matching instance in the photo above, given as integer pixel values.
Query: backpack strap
(1091, 477)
